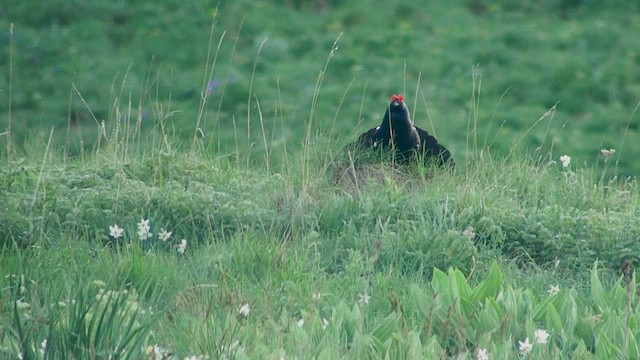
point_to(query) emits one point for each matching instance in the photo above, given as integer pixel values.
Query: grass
(297, 249)
(304, 254)
(578, 58)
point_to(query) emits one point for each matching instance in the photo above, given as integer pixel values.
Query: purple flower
(212, 86)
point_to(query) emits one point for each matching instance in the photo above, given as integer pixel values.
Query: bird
(409, 142)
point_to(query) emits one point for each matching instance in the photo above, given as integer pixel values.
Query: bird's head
(397, 105)
(396, 100)
(398, 112)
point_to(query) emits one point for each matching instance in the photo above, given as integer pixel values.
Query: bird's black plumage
(409, 142)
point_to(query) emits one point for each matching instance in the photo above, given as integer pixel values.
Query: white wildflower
(469, 233)
(182, 246)
(156, 352)
(525, 346)
(541, 336)
(607, 152)
(244, 310)
(43, 347)
(553, 289)
(317, 295)
(164, 235)
(565, 160)
(115, 231)
(22, 305)
(300, 322)
(325, 323)
(363, 298)
(482, 354)
(143, 229)
(234, 345)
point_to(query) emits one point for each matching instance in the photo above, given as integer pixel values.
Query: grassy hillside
(173, 190)
(311, 257)
(76, 64)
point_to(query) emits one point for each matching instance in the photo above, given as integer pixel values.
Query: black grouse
(409, 142)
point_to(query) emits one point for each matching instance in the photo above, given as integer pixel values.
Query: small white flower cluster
(143, 229)
(541, 337)
(607, 153)
(156, 352)
(244, 310)
(363, 298)
(553, 290)
(164, 235)
(482, 354)
(469, 233)
(43, 347)
(144, 233)
(182, 246)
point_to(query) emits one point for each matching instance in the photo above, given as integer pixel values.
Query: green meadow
(175, 182)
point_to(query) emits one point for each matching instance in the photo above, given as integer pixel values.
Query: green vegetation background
(77, 63)
(328, 263)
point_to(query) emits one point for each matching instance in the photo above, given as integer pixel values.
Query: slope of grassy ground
(214, 212)
(301, 261)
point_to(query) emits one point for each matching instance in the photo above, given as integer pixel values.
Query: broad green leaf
(552, 318)
(581, 351)
(539, 312)
(604, 348)
(496, 307)
(433, 350)
(585, 331)
(599, 296)
(327, 353)
(381, 335)
(508, 300)
(619, 296)
(633, 323)
(525, 303)
(421, 300)
(460, 288)
(490, 286)
(413, 345)
(440, 282)
(360, 344)
(632, 347)
(489, 318)
(380, 347)
(569, 314)
(466, 307)
(613, 326)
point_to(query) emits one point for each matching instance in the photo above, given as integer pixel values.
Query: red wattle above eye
(400, 98)
(394, 97)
